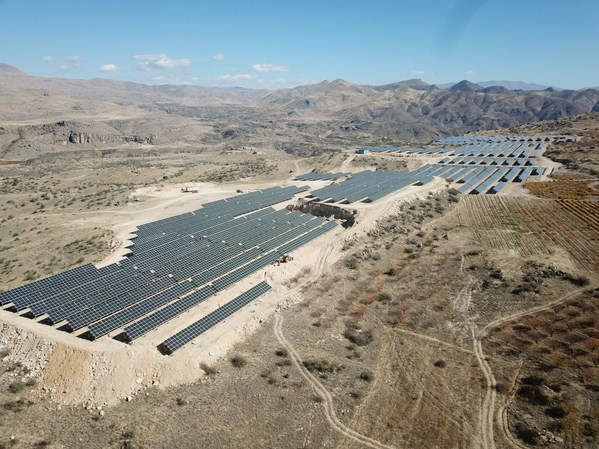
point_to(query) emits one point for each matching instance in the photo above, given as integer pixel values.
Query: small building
(363, 150)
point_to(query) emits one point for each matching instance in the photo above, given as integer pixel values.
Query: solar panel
(167, 313)
(196, 329)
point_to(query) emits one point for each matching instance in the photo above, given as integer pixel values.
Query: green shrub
(533, 394)
(16, 386)
(384, 297)
(351, 263)
(322, 366)
(282, 352)
(238, 361)
(358, 336)
(368, 376)
(579, 281)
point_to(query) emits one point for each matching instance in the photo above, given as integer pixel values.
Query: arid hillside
(300, 120)
(426, 319)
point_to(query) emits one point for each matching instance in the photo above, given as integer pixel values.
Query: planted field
(570, 224)
(532, 226)
(563, 187)
(494, 225)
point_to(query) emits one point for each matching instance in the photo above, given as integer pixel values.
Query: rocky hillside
(39, 114)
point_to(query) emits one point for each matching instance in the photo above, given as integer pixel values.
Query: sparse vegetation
(208, 369)
(282, 352)
(371, 321)
(238, 361)
(16, 387)
(357, 335)
(440, 363)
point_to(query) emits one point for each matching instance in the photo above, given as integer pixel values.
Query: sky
(285, 43)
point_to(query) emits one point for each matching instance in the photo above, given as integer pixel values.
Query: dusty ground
(436, 321)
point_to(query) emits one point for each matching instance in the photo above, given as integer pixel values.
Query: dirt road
(320, 390)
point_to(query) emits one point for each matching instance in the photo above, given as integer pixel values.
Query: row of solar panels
(50, 285)
(409, 150)
(370, 185)
(232, 206)
(214, 263)
(517, 150)
(463, 174)
(234, 232)
(317, 176)
(483, 179)
(109, 298)
(491, 160)
(202, 222)
(159, 317)
(495, 139)
(205, 323)
(507, 148)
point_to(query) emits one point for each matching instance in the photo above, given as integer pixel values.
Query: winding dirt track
(346, 163)
(461, 304)
(574, 293)
(488, 407)
(319, 389)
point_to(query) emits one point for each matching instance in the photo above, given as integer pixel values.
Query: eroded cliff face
(27, 141)
(326, 210)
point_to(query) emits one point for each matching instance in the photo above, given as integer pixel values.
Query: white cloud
(76, 61)
(470, 72)
(160, 61)
(64, 67)
(237, 77)
(48, 58)
(272, 83)
(263, 68)
(417, 72)
(109, 68)
(218, 57)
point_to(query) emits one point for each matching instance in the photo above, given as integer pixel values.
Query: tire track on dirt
(317, 387)
(486, 415)
(514, 316)
(488, 406)
(346, 163)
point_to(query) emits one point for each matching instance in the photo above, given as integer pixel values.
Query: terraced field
(571, 224)
(494, 225)
(533, 226)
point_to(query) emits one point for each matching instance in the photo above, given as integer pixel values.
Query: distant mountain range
(510, 85)
(410, 110)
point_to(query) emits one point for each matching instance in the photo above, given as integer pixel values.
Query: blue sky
(283, 43)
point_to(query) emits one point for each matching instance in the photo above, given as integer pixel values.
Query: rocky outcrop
(326, 210)
(80, 137)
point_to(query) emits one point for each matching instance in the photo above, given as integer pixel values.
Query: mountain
(325, 95)
(416, 84)
(495, 90)
(515, 85)
(45, 114)
(465, 86)
(9, 69)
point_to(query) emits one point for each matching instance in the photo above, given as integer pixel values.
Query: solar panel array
(176, 263)
(482, 164)
(205, 323)
(371, 185)
(407, 150)
(316, 176)
(465, 140)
